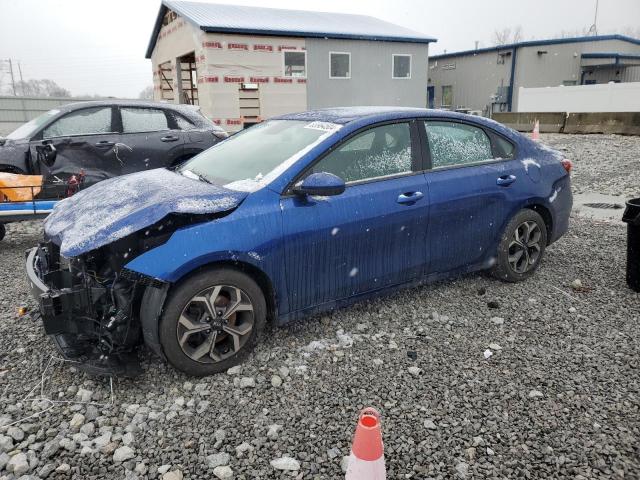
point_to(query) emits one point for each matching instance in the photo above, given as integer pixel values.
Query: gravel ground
(606, 164)
(557, 398)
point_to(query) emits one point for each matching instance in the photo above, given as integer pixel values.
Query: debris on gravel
(285, 463)
(559, 399)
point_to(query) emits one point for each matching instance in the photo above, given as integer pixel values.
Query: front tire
(212, 321)
(521, 248)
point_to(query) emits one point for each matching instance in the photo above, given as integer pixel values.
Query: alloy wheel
(524, 249)
(215, 324)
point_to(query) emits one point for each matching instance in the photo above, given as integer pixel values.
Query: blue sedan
(297, 215)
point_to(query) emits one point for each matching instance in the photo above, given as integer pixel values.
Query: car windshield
(255, 156)
(29, 128)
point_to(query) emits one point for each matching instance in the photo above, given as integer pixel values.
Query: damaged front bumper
(63, 302)
(90, 322)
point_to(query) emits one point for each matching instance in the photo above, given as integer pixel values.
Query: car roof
(368, 115)
(125, 103)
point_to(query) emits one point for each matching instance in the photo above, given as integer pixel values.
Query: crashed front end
(93, 307)
(96, 309)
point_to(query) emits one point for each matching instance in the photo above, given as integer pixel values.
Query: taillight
(567, 164)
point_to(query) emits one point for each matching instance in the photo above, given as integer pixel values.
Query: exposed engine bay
(96, 310)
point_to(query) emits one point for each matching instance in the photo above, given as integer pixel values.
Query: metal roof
(537, 43)
(249, 20)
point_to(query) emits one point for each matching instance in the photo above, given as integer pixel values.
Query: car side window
(454, 144)
(138, 120)
(87, 121)
(378, 152)
(182, 123)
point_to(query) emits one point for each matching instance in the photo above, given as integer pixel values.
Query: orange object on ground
(367, 451)
(19, 188)
(535, 135)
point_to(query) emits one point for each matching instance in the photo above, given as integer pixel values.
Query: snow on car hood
(115, 208)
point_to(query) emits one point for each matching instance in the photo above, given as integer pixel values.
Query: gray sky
(98, 46)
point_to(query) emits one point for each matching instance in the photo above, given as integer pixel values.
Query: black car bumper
(61, 301)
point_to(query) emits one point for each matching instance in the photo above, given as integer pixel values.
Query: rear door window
(87, 121)
(181, 122)
(456, 144)
(137, 120)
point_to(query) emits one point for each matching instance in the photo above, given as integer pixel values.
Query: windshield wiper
(195, 176)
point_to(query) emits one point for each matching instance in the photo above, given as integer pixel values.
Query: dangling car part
(294, 216)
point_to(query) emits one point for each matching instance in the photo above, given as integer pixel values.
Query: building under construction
(243, 64)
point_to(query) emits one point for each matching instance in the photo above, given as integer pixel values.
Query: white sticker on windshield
(324, 126)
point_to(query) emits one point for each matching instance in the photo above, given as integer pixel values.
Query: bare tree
(507, 36)
(41, 88)
(631, 31)
(572, 33)
(147, 93)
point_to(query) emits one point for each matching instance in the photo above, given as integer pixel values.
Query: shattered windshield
(257, 155)
(29, 128)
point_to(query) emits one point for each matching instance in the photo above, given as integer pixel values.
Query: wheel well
(256, 274)
(546, 216)
(11, 169)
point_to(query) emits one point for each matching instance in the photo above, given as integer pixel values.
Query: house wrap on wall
(243, 64)
(488, 79)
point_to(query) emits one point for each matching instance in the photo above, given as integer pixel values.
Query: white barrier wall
(609, 97)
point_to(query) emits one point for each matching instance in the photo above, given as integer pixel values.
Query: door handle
(169, 138)
(506, 180)
(409, 197)
(105, 143)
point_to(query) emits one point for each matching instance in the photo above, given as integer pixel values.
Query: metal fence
(14, 111)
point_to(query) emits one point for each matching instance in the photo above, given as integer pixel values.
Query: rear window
(182, 123)
(136, 120)
(455, 144)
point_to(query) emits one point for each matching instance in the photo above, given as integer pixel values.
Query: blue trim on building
(617, 56)
(512, 79)
(301, 34)
(536, 43)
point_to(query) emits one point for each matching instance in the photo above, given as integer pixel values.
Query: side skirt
(344, 302)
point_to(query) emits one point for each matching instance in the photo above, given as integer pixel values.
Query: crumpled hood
(115, 208)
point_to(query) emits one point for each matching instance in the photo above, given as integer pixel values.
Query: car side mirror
(47, 154)
(322, 184)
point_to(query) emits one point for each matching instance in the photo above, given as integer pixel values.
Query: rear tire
(521, 248)
(3, 231)
(212, 321)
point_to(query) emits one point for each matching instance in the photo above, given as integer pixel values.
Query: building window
(295, 64)
(401, 66)
(339, 65)
(447, 95)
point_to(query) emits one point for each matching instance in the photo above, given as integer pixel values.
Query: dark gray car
(104, 139)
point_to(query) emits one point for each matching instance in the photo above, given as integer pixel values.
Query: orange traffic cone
(535, 135)
(366, 461)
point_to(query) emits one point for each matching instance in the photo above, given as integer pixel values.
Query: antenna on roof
(593, 30)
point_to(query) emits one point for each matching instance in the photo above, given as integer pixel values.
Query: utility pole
(21, 80)
(13, 80)
(594, 28)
